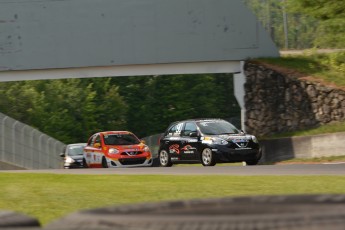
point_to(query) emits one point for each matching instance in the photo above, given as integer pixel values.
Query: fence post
(14, 143)
(3, 138)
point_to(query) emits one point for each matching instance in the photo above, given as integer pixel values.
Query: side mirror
(97, 145)
(62, 154)
(193, 134)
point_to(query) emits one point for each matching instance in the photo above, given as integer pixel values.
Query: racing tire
(164, 159)
(155, 162)
(84, 163)
(207, 157)
(255, 161)
(296, 212)
(252, 162)
(104, 163)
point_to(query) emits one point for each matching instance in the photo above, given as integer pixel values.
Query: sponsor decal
(188, 149)
(206, 140)
(174, 148)
(188, 152)
(192, 140)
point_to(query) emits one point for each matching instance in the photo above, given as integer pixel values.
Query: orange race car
(116, 149)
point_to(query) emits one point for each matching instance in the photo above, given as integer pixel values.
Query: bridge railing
(26, 147)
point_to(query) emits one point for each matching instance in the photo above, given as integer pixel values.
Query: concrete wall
(306, 147)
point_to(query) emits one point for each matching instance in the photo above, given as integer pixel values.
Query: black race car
(207, 141)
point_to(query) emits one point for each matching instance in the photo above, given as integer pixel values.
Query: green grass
(327, 67)
(50, 196)
(328, 128)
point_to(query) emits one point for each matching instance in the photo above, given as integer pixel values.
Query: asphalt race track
(296, 169)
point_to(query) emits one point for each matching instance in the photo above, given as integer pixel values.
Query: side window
(98, 139)
(94, 139)
(189, 128)
(175, 130)
(91, 140)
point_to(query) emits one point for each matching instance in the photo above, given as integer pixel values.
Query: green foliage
(156, 101)
(300, 27)
(336, 62)
(69, 110)
(331, 15)
(310, 23)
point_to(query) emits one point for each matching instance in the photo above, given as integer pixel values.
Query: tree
(331, 14)
(69, 110)
(295, 29)
(156, 101)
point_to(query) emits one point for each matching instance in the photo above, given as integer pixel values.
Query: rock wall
(278, 101)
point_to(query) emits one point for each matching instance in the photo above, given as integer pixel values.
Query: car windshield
(217, 127)
(75, 150)
(120, 139)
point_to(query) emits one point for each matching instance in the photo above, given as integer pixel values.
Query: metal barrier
(26, 147)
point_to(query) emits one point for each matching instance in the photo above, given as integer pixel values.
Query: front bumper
(76, 164)
(130, 162)
(225, 154)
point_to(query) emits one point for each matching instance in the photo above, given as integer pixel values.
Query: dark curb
(307, 212)
(14, 220)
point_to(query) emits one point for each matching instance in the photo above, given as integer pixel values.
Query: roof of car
(199, 119)
(77, 144)
(114, 132)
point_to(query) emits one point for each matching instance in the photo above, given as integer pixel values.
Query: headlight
(69, 160)
(113, 151)
(219, 141)
(146, 148)
(255, 140)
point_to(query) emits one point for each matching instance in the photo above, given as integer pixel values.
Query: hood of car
(126, 148)
(236, 137)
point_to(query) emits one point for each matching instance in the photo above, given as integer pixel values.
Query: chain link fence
(26, 147)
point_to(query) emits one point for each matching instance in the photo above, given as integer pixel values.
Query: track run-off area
(259, 170)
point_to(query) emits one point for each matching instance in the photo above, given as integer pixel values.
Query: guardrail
(26, 147)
